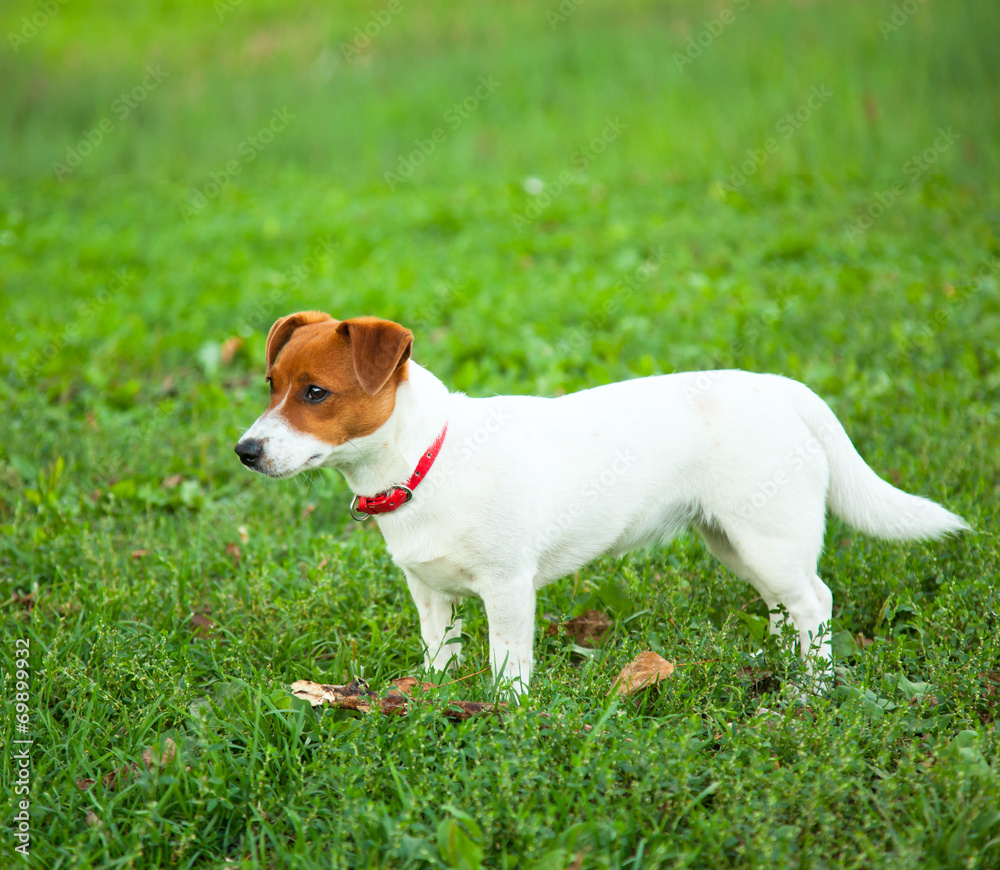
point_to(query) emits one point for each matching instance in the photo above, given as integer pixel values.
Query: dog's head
(331, 381)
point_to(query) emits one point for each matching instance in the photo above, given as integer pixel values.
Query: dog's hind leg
(719, 545)
(782, 568)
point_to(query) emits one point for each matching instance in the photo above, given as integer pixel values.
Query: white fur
(526, 490)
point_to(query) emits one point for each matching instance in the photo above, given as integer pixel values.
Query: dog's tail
(857, 494)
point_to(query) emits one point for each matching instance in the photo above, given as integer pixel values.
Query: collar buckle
(357, 513)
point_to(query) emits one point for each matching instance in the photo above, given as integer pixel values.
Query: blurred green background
(553, 195)
(360, 102)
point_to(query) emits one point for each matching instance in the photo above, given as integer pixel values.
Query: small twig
(459, 680)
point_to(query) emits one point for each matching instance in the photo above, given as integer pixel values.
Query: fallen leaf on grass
(234, 551)
(588, 629)
(152, 759)
(25, 603)
(407, 684)
(229, 348)
(121, 776)
(118, 776)
(645, 670)
(171, 481)
(990, 696)
(762, 681)
(357, 695)
(138, 554)
(202, 623)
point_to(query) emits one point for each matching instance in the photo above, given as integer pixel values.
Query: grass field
(551, 198)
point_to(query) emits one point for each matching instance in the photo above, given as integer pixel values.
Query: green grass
(123, 511)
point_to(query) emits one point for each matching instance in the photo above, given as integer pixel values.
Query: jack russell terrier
(498, 497)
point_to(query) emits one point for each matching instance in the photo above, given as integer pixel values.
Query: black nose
(249, 451)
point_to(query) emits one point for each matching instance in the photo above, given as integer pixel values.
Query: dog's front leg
(510, 611)
(440, 630)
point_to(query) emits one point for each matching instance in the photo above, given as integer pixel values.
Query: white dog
(498, 497)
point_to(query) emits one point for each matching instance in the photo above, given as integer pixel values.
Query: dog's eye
(316, 394)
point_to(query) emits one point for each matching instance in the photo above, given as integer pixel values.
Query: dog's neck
(388, 456)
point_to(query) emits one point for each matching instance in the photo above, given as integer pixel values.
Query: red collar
(386, 502)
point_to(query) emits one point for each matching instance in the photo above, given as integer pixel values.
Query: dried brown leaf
(229, 348)
(462, 710)
(202, 623)
(407, 684)
(118, 776)
(153, 760)
(588, 629)
(25, 603)
(171, 481)
(138, 554)
(121, 776)
(647, 669)
(357, 695)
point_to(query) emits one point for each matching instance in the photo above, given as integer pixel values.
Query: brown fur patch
(329, 354)
(379, 348)
(282, 331)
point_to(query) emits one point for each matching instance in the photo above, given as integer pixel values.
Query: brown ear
(379, 347)
(282, 331)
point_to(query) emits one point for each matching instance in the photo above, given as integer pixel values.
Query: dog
(498, 497)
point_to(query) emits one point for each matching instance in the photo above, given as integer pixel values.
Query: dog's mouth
(253, 455)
